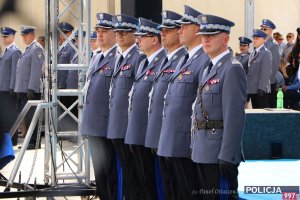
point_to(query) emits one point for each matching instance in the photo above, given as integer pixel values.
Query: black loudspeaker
(143, 8)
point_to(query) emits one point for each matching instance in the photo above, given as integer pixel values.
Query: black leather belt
(210, 124)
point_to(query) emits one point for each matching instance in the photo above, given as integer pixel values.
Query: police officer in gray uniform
(138, 106)
(219, 113)
(96, 110)
(122, 81)
(243, 57)
(66, 53)
(268, 26)
(175, 136)
(8, 66)
(28, 74)
(260, 67)
(65, 56)
(72, 77)
(170, 40)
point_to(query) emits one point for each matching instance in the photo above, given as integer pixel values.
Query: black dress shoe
(30, 146)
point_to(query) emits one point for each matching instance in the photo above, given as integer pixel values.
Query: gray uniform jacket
(65, 56)
(223, 97)
(175, 136)
(8, 68)
(29, 69)
(274, 49)
(122, 81)
(96, 108)
(243, 58)
(260, 67)
(72, 76)
(139, 101)
(156, 103)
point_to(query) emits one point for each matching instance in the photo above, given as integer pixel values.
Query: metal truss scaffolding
(62, 166)
(56, 10)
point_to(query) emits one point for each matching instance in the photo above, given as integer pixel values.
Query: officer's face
(62, 37)
(244, 48)
(146, 43)
(188, 33)
(94, 44)
(105, 37)
(28, 38)
(7, 40)
(169, 37)
(267, 30)
(125, 39)
(215, 44)
(258, 41)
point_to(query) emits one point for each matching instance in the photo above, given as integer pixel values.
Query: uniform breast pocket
(108, 72)
(212, 93)
(125, 73)
(165, 77)
(186, 85)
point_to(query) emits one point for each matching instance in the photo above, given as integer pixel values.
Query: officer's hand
(261, 92)
(227, 169)
(30, 94)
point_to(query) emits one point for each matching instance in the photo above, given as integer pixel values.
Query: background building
(284, 13)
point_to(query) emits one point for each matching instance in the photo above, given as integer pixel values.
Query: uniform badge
(204, 20)
(121, 73)
(180, 77)
(39, 55)
(175, 57)
(101, 16)
(119, 17)
(206, 88)
(110, 54)
(164, 14)
(145, 78)
(156, 59)
(101, 71)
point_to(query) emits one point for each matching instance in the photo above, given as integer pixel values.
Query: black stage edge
(48, 191)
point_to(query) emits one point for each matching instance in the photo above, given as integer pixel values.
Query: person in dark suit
(8, 67)
(175, 136)
(219, 113)
(96, 111)
(260, 67)
(122, 81)
(150, 44)
(28, 75)
(268, 26)
(243, 57)
(170, 40)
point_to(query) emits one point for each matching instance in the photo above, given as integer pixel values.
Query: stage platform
(251, 173)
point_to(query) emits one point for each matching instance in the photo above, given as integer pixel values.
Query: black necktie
(164, 62)
(145, 64)
(186, 58)
(92, 53)
(120, 61)
(101, 58)
(210, 65)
